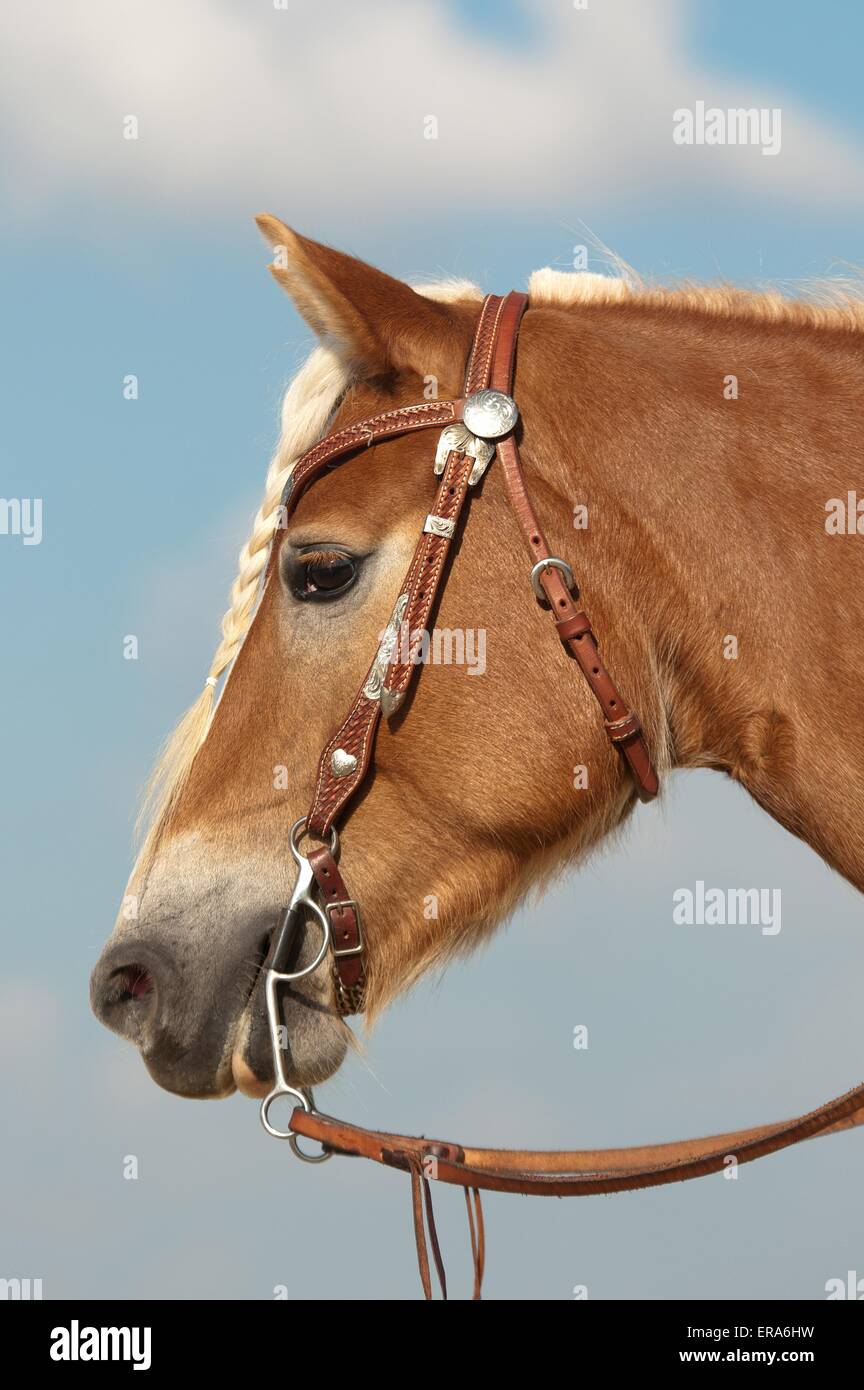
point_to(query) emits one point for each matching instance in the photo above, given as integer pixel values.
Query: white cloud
(321, 106)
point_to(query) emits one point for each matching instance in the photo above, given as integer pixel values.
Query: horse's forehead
(374, 488)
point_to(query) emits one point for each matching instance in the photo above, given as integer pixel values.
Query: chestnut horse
(688, 451)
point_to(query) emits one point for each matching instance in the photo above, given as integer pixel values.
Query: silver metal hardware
(439, 526)
(302, 902)
(294, 1141)
(340, 952)
(458, 439)
(490, 414)
(552, 563)
(342, 763)
(275, 1094)
(375, 680)
(306, 1101)
(298, 830)
(390, 701)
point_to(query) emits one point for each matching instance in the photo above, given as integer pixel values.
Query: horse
(691, 449)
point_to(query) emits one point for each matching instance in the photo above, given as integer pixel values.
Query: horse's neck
(707, 453)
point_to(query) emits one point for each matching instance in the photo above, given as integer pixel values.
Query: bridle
(481, 424)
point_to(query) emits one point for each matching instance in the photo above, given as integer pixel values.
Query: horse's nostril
(133, 982)
(125, 996)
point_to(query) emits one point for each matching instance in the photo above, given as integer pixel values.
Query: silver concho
(342, 763)
(490, 414)
(375, 680)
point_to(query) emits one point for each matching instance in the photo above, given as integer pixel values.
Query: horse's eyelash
(321, 557)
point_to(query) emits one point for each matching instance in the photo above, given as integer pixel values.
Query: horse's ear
(376, 323)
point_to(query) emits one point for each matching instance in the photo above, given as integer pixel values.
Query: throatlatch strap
(574, 627)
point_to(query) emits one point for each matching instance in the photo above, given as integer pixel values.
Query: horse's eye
(322, 574)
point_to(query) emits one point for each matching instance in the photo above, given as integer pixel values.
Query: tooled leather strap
(387, 425)
(427, 569)
(358, 730)
(346, 757)
(578, 1172)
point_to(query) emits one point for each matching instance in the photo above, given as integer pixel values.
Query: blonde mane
(836, 303)
(308, 405)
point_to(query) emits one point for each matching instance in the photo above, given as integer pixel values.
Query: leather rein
(474, 428)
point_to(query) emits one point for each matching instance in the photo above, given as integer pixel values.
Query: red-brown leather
(424, 578)
(487, 340)
(356, 733)
(349, 971)
(574, 628)
(581, 642)
(356, 736)
(370, 431)
(503, 362)
(579, 1172)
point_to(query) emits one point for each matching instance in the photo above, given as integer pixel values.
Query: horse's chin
(317, 1040)
(247, 1083)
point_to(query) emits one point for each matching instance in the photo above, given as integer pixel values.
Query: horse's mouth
(314, 1036)
(247, 1083)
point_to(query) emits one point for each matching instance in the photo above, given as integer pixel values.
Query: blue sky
(156, 268)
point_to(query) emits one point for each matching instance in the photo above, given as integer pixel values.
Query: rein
(474, 428)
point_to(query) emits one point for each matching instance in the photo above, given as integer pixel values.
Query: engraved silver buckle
(458, 439)
(439, 526)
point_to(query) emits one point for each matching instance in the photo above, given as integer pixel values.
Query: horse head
(495, 771)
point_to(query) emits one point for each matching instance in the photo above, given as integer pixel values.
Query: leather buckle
(340, 953)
